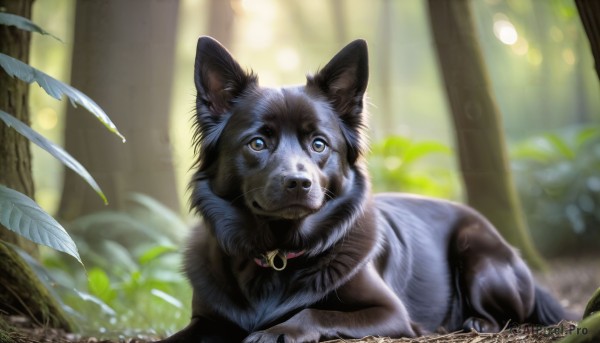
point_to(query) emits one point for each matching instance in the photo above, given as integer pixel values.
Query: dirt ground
(572, 279)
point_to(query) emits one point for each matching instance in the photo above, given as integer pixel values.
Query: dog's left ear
(344, 82)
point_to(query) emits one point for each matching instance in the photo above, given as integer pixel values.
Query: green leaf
(103, 306)
(158, 217)
(117, 226)
(22, 23)
(55, 88)
(531, 151)
(560, 145)
(155, 252)
(419, 150)
(167, 297)
(22, 215)
(593, 305)
(587, 330)
(53, 149)
(395, 146)
(586, 135)
(120, 256)
(99, 285)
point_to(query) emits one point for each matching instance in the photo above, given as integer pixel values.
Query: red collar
(276, 259)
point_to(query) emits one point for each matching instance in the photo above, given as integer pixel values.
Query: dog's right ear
(219, 80)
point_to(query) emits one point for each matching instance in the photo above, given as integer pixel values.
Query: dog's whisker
(244, 194)
(328, 194)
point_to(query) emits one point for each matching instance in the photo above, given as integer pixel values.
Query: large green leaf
(55, 88)
(53, 149)
(23, 24)
(22, 215)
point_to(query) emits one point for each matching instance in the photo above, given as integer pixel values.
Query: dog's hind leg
(494, 282)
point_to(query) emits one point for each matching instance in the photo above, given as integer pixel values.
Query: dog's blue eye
(318, 145)
(257, 144)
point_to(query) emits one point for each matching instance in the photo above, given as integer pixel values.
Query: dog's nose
(297, 183)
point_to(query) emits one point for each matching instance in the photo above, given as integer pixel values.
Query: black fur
(281, 169)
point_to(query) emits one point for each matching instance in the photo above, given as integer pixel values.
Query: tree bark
(589, 12)
(123, 59)
(15, 156)
(220, 22)
(20, 290)
(338, 13)
(384, 67)
(6, 331)
(22, 293)
(477, 122)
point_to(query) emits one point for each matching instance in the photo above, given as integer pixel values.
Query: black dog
(294, 248)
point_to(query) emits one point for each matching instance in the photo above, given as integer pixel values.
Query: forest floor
(572, 279)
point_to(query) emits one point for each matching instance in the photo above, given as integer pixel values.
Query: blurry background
(538, 61)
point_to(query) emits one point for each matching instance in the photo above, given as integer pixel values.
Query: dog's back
(453, 270)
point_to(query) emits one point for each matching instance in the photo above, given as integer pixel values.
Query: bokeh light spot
(505, 32)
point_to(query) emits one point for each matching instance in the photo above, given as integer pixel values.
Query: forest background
(136, 60)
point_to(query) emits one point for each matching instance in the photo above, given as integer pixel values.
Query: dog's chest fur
(262, 296)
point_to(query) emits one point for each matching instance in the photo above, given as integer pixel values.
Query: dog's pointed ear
(218, 77)
(344, 82)
(219, 82)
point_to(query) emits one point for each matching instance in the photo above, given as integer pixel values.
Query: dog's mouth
(293, 211)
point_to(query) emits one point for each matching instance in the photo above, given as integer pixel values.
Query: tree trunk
(589, 12)
(123, 59)
(20, 290)
(384, 68)
(477, 122)
(22, 293)
(338, 14)
(6, 331)
(220, 22)
(15, 157)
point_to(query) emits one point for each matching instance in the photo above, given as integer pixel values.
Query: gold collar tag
(276, 259)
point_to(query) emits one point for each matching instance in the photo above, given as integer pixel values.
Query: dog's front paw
(480, 325)
(276, 336)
